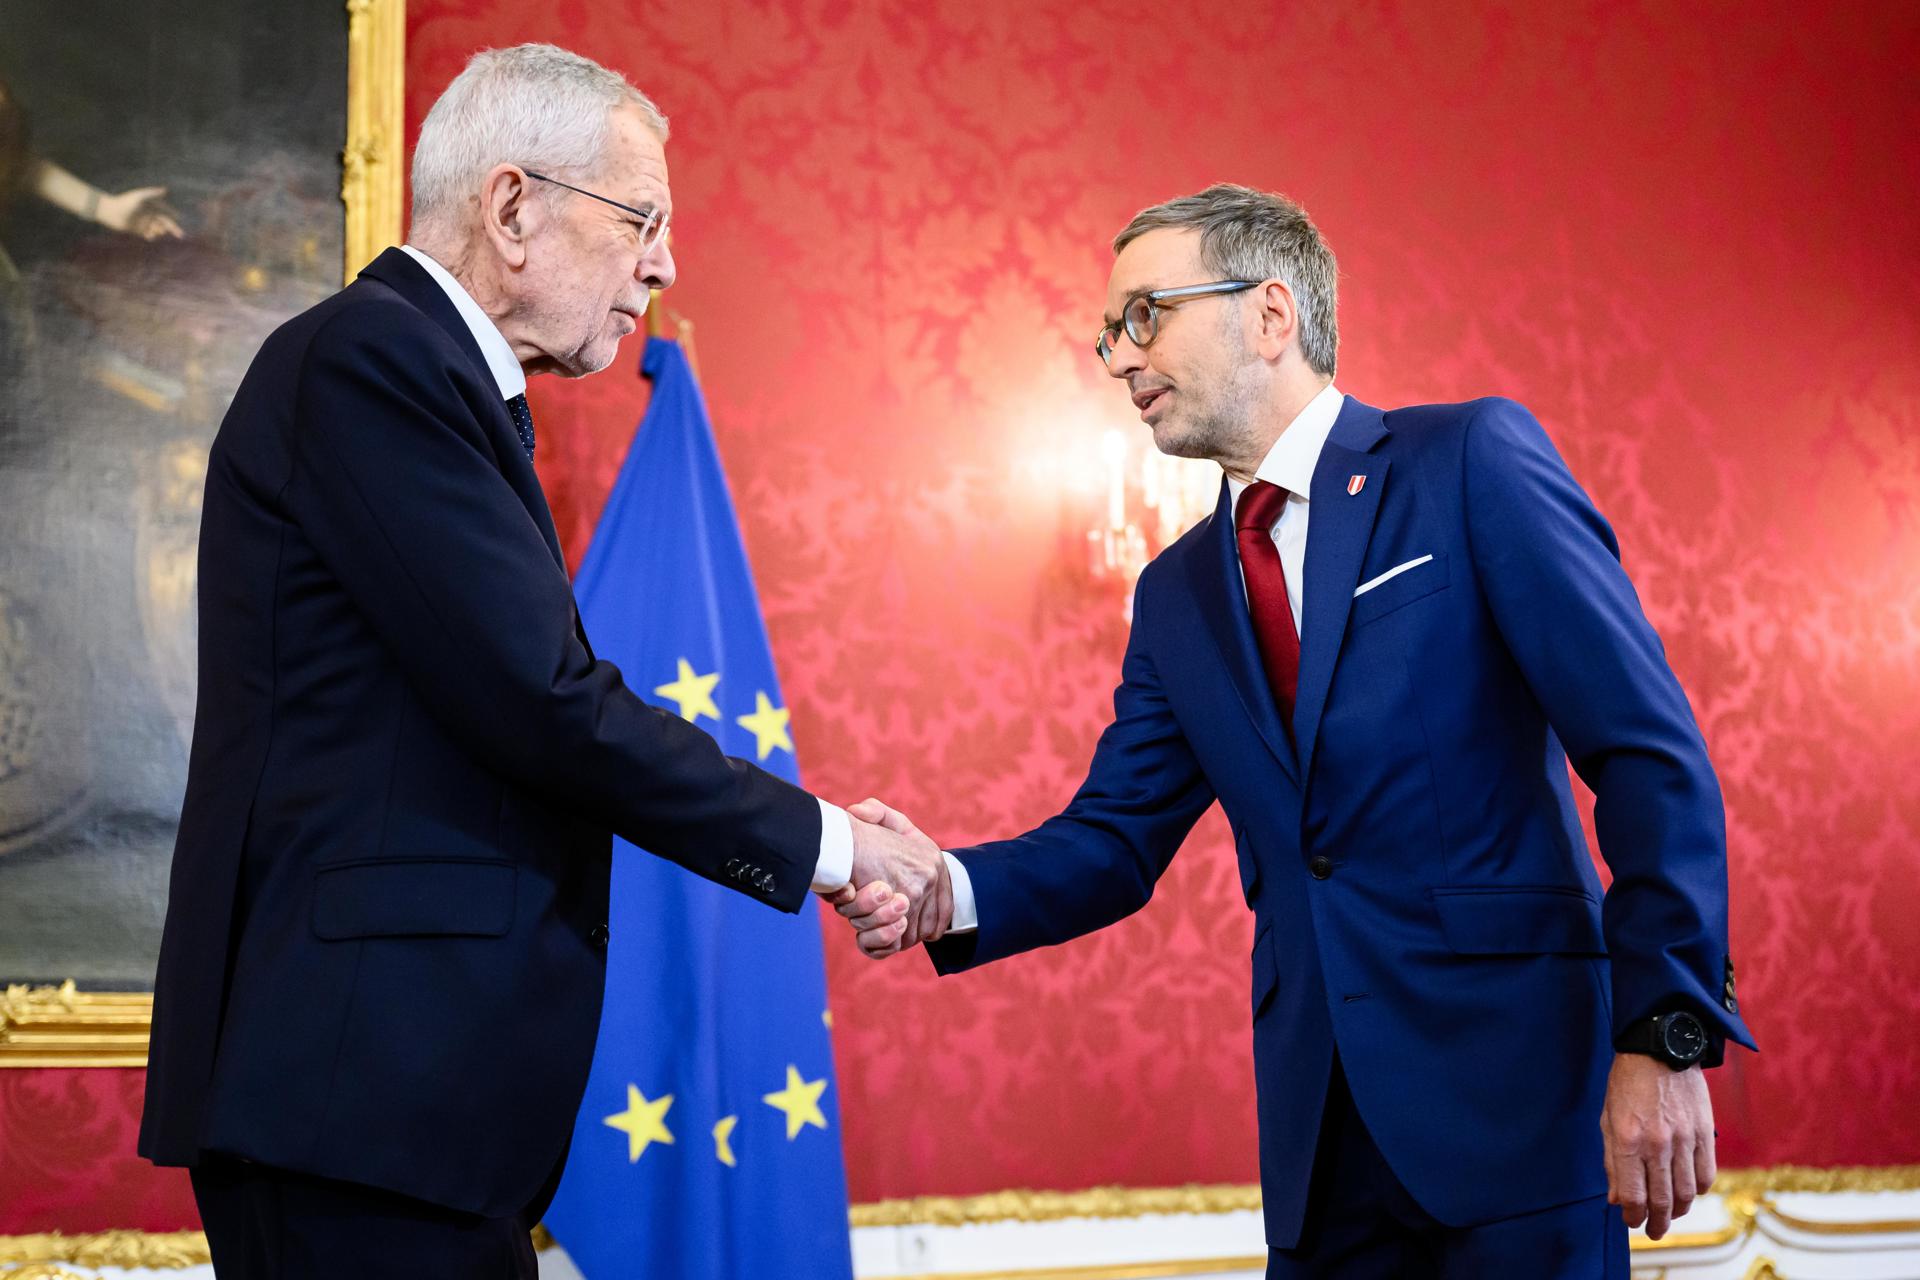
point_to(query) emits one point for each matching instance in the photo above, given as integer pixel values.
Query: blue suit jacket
(1457, 952)
(386, 937)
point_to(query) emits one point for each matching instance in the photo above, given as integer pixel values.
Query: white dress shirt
(1289, 464)
(835, 865)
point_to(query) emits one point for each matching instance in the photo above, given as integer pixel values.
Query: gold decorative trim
(128, 1249)
(1049, 1206)
(1132, 1202)
(1748, 1211)
(65, 1027)
(1117, 1271)
(1782, 1178)
(1892, 1226)
(375, 157)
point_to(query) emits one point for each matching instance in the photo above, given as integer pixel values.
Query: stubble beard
(1218, 426)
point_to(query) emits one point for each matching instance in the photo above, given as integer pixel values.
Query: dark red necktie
(1254, 518)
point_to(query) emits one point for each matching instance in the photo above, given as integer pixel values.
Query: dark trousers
(269, 1224)
(1362, 1225)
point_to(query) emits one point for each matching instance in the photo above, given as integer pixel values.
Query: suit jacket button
(598, 936)
(1320, 868)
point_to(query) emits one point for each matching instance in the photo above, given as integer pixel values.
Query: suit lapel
(1339, 525)
(410, 280)
(1214, 571)
(400, 273)
(536, 500)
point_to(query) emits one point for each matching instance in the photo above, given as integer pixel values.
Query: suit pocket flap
(413, 897)
(1519, 921)
(1403, 588)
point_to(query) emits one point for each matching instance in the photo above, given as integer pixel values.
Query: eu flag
(708, 1144)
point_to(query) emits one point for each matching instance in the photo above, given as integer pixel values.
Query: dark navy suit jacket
(385, 942)
(1455, 948)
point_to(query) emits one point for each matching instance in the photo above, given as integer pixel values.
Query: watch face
(1685, 1038)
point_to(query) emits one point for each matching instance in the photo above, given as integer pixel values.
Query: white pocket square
(1394, 572)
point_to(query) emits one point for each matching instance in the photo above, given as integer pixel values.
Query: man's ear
(509, 213)
(1276, 318)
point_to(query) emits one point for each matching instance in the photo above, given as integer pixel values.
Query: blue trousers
(1361, 1224)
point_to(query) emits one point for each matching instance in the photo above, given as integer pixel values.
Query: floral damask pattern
(66, 1155)
(1683, 235)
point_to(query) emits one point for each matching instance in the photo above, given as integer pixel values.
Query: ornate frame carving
(374, 160)
(1748, 1193)
(63, 1026)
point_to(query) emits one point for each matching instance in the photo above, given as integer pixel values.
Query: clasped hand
(900, 893)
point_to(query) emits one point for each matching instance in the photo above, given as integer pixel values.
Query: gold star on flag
(693, 692)
(643, 1122)
(800, 1100)
(722, 1135)
(768, 723)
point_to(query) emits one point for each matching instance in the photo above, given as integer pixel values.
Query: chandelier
(1150, 500)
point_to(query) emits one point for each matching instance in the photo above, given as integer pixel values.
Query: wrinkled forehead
(1164, 258)
(634, 166)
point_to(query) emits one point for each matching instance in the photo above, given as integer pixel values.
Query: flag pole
(659, 323)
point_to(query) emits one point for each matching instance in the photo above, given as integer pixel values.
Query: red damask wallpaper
(1683, 234)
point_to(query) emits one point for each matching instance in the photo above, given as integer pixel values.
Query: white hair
(534, 105)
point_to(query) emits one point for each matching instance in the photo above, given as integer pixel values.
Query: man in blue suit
(385, 948)
(1469, 1061)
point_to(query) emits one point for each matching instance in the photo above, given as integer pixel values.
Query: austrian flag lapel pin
(1355, 484)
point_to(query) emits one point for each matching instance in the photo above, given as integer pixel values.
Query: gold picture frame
(374, 160)
(62, 1026)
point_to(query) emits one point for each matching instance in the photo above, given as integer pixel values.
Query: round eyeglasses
(650, 222)
(1140, 317)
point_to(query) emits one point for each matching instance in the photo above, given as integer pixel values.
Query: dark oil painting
(169, 193)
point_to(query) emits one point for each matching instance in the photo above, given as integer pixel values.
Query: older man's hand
(901, 893)
(1657, 1129)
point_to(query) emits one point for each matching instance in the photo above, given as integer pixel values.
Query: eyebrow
(1110, 321)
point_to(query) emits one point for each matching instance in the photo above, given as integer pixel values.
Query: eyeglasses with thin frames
(653, 223)
(1140, 317)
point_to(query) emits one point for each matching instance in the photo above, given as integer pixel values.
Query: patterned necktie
(1254, 518)
(522, 422)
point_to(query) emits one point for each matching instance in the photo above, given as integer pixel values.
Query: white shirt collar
(1291, 460)
(493, 344)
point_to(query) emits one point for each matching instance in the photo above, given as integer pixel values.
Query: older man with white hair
(384, 955)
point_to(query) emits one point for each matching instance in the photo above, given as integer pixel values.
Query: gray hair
(535, 105)
(1259, 235)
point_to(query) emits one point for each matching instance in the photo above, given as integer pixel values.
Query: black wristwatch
(1676, 1039)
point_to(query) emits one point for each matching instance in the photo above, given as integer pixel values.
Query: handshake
(900, 893)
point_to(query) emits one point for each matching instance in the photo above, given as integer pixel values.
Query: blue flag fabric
(708, 1143)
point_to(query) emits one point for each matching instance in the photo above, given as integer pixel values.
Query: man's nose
(656, 268)
(1125, 359)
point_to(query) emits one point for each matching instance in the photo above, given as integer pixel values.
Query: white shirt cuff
(835, 867)
(966, 914)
